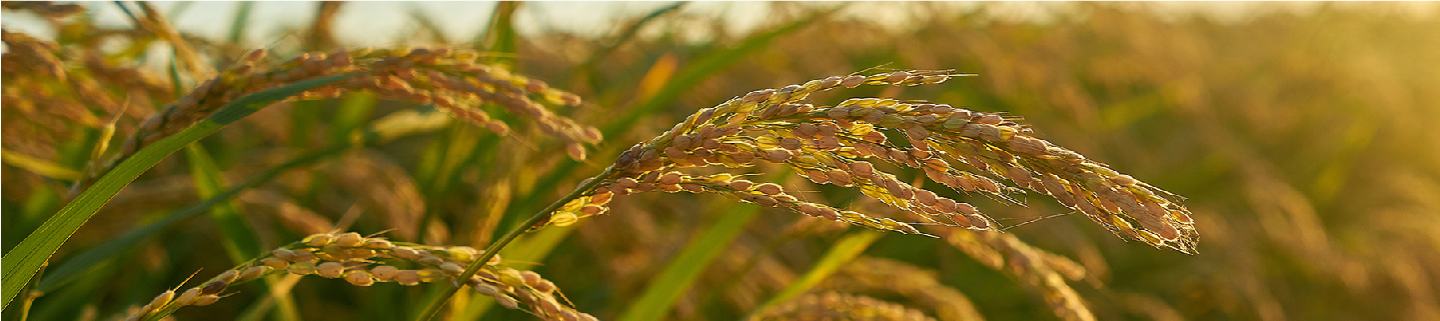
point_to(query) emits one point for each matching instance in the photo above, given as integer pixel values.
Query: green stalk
(585, 188)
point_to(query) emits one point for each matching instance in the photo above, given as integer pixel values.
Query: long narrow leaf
(683, 270)
(240, 243)
(88, 260)
(393, 126)
(21, 263)
(844, 250)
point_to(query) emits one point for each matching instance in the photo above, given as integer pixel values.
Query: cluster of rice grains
(855, 142)
(58, 89)
(364, 261)
(449, 79)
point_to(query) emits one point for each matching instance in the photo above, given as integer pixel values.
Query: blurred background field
(1301, 135)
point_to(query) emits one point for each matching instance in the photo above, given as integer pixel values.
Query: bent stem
(585, 187)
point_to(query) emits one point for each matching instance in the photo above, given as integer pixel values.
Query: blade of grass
(682, 271)
(32, 211)
(844, 250)
(239, 242)
(21, 263)
(393, 126)
(769, 247)
(85, 261)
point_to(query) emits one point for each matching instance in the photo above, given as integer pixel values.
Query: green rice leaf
(684, 269)
(239, 243)
(844, 250)
(21, 262)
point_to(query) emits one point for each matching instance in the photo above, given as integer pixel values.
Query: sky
(384, 23)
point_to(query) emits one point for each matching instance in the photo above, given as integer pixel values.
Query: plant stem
(585, 187)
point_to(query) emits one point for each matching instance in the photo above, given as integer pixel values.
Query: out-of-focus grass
(1302, 139)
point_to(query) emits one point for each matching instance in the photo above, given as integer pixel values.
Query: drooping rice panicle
(365, 261)
(449, 79)
(850, 145)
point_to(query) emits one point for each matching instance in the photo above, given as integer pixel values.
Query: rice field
(720, 161)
